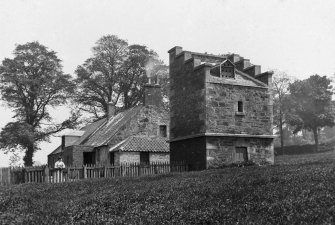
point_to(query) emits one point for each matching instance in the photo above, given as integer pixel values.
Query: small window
(240, 106)
(144, 157)
(162, 131)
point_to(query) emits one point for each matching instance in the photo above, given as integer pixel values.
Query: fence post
(85, 172)
(105, 172)
(46, 174)
(139, 169)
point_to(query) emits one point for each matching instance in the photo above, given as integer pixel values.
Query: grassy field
(297, 190)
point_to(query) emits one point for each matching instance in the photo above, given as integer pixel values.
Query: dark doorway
(89, 158)
(112, 158)
(144, 157)
(241, 154)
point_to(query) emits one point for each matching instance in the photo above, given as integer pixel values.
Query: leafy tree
(280, 85)
(31, 83)
(115, 73)
(311, 105)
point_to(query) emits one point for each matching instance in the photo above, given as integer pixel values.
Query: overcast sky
(297, 37)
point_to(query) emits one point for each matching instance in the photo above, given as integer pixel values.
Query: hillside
(297, 189)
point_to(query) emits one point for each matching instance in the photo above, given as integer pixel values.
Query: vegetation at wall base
(302, 191)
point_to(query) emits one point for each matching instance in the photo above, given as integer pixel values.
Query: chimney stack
(111, 110)
(152, 94)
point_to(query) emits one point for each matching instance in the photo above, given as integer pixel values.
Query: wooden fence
(44, 174)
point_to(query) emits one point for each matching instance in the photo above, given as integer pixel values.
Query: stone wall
(159, 157)
(221, 105)
(146, 123)
(129, 157)
(102, 156)
(221, 150)
(77, 154)
(187, 98)
(134, 157)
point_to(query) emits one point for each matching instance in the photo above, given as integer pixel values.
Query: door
(241, 154)
(144, 158)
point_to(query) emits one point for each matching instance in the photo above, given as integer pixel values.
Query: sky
(294, 36)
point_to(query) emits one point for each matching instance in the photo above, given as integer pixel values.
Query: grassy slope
(300, 189)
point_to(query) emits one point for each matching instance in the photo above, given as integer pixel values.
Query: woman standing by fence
(58, 173)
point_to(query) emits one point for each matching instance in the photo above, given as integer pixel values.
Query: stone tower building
(221, 110)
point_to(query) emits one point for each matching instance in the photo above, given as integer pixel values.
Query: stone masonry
(220, 110)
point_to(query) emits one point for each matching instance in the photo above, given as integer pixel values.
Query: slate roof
(89, 129)
(142, 144)
(107, 130)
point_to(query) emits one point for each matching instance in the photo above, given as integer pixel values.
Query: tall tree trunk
(28, 158)
(316, 138)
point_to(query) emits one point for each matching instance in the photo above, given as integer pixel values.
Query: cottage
(220, 110)
(136, 135)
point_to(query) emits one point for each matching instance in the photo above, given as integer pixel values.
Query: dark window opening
(241, 154)
(112, 158)
(88, 158)
(240, 106)
(144, 158)
(162, 131)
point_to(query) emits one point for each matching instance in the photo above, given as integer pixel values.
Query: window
(162, 131)
(239, 106)
(144, 158)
